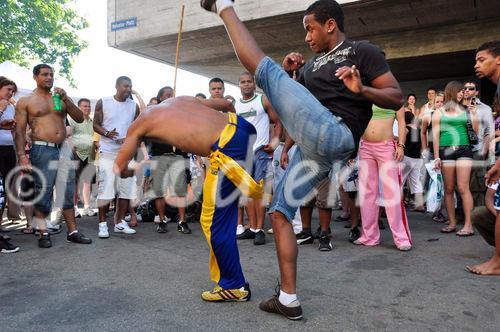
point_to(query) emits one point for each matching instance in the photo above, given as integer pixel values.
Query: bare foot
(491, 267)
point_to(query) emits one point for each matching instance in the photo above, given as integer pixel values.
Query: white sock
(103, 223)
(253, 230)
(75, 231)
(223, 4)
(258, 230)
(286, 298)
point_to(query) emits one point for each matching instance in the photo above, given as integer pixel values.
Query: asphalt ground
(152, 282)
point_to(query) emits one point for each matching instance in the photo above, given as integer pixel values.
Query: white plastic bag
(435, 191)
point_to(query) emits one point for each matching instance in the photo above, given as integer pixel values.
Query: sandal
(28, 230)
(448, 229)
(463, 233)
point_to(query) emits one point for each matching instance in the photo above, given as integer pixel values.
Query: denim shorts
(53, 167)
(322, 138)
(261, 164)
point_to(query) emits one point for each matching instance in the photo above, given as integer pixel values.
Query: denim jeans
(53, 167)
(322, 138)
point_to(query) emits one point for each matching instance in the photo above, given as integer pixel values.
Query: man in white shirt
(113, 115)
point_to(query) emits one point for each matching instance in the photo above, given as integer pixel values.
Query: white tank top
(119, 115)
(6, 135)
(253, 111)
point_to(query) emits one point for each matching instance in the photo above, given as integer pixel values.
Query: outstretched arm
(126, 154)
(219, 104)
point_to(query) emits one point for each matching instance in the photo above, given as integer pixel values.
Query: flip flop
(468, 269)
(28, 230)
(464, 234)
(448, 230)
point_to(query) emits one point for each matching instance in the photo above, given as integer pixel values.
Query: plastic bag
(435, 192)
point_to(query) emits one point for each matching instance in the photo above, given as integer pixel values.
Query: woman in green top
(451, 144)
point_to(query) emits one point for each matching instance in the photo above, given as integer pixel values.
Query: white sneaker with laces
(103, 230)
(124, 228)
(240, 229)
(89, 212)
(127, 218)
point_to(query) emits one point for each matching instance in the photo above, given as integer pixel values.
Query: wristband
(400, 145)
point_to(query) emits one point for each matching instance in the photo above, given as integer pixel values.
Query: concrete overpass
(427, 42)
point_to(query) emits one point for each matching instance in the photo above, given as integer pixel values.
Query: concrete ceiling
(416, 36)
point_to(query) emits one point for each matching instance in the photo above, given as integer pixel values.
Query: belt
(455, 147)
(43, 143)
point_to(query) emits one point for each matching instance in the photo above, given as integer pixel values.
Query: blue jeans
(322, 138)
(53, 167)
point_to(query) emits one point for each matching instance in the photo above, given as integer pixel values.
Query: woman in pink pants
(379, 155)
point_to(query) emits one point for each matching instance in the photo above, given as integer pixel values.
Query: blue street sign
(124, 24)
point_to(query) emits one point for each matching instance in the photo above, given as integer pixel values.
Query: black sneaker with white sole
(210, 5)
(6, 247)
(44, 241)
(325, 242)
(354, 234)
(77, 237)
(247, 234)
(318, 232)
(162, 227)
(183, 228)
(304, 238)
(260, 238)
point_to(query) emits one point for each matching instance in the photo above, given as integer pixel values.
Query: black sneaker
(6, 247)
(292, 311)
(183, 228)
(247, 234)
(318, 232)
(304, 238)
(78, 237)
(44, 241)
(260, 238)
(354, 234)
(325, 242)
(162, 227)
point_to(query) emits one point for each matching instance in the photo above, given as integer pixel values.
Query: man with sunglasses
(482, 149)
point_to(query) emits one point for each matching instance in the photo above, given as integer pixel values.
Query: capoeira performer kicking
(325, 113)
(194, 126)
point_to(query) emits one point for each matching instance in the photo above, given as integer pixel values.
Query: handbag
(473, 140)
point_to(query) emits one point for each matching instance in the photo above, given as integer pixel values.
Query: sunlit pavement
(152, 282)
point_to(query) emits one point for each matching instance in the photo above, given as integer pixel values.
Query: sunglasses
(470, 88)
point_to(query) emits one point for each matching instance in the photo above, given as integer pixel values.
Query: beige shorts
(169, 175)
(109, 184)
(325, 198)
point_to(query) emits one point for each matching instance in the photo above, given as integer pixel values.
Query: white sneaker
(240, 229)
(77, 214)
(139, 217)
(127, 218)
(124, 228)
(103, 230)
(406, 247)
(89, 212)
(157, 219)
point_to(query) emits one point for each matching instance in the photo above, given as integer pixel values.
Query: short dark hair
(492, 46)
(473, 81)
(161, 91)
(123, 78)
(83, 100)
(201, 95)
(323, 10)
(4, 81)
(216, 80)
(411, 95)
(247, 74)
(431, 88)
(39, 67)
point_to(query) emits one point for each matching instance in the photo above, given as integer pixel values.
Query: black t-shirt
(413, 143)
(319, 78)
(158, 149)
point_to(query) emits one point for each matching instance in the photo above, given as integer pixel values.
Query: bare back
(46, 123)
(183, 122)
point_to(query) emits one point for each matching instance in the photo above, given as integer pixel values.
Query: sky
(97, 67)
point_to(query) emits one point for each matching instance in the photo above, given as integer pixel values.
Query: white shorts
(109, 184)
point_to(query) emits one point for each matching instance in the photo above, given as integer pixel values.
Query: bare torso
(184, 123)
(379, 130)
(46, 123)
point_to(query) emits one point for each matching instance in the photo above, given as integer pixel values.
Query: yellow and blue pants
(224, 181)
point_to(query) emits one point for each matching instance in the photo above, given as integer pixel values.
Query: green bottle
(56, 99)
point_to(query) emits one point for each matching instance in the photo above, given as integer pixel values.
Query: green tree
(41, 30)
